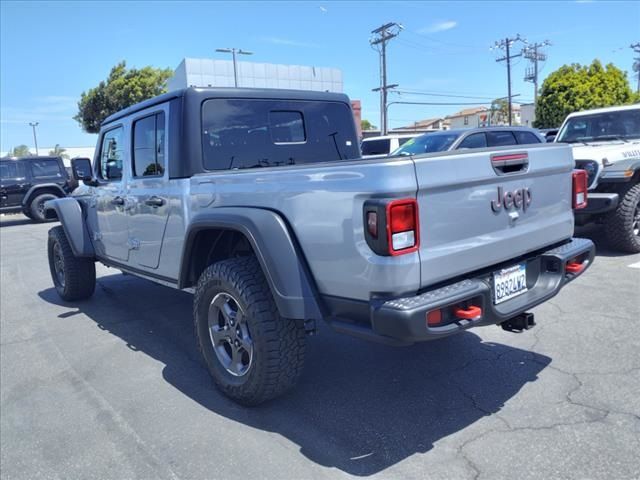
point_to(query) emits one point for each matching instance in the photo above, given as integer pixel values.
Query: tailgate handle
(504, 164)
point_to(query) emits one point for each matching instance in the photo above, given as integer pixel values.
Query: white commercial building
(206, 72)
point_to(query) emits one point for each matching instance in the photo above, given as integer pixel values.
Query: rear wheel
(36, 208)
(252, 353)
(623, 225)
(73, 277)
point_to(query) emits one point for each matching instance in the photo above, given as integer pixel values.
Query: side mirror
(82, 170)
(551, 138)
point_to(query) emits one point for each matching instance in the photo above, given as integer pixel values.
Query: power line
(381, 36)
(506, 45)
(534, 55)
(433, 94)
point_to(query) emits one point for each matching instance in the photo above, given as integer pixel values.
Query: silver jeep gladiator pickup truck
(260, 203)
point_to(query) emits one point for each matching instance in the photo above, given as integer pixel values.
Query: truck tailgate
(460, 230)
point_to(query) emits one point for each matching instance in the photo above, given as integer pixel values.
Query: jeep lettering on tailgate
(520, 198)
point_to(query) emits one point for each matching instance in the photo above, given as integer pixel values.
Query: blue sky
(51, 51)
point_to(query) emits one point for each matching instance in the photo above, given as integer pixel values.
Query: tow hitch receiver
(524, 321)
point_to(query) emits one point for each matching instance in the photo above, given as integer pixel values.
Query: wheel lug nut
(236, 343)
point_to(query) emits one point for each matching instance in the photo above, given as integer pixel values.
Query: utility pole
(381, 36)
(636, 64)
(506, 45)
(534, 55)
(234, 52)
(35, 140)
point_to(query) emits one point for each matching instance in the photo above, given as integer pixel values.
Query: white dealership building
(207, 72)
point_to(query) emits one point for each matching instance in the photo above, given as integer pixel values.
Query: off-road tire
(278, 343)
(79, 273)
(36, 207)
(619, 223)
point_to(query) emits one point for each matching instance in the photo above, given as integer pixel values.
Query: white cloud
(439, 26)
(288, 42)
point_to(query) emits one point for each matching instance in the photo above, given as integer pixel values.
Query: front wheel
(623, 225)
(252, 353)
(73, 277)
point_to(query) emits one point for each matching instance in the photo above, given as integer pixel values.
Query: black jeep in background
(26, 183)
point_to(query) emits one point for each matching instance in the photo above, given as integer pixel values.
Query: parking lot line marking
(635, 265)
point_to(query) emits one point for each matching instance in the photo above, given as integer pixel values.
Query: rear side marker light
(468, 313)
(402, 226)
(579, 189)
(434, 317)
(573, 267)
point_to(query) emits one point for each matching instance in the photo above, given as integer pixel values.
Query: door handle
(155, 201)
(117, 201)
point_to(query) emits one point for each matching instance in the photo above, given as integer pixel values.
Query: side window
(376, 147)
(476, 140)
(45, 168)
(500, 138)
(148, 146)
(11, 169)
(112, 154)
(526, 137)
(402, 141)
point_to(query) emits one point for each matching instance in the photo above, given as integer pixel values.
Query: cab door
(111, 235)
(14, 183)
(148, 188)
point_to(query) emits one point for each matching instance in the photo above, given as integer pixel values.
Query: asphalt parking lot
(114, 388)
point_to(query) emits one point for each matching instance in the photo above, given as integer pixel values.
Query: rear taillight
(579, 193)
(402, 226)
(391, 226)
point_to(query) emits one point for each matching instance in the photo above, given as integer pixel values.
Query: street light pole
(35, 140)
(234, 52)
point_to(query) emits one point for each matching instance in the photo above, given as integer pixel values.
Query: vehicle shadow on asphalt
(596, 233)
(14, 220)
(359, 407)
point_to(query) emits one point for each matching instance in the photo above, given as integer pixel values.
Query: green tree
(577, 87)
(58, 151)
(123, 88)
(19, 151)
(500, 112)
(367, 125)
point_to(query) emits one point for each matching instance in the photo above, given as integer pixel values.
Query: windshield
(620, 125)
(428, 143)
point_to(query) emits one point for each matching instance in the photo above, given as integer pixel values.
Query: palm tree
(20, 151)
(58, 151)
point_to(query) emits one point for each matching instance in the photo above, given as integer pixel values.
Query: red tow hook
(574, 267)
(467, 313)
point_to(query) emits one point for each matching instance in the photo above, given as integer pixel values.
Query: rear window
(45, 168)
(526, 137)
(499, 138)
(381, 146)
(241, 133)
(11, 169)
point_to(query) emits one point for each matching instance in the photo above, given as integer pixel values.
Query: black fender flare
(72, 219)
(33, 191)
(278, 254)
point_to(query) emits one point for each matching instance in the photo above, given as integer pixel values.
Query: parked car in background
(460, 139)
(606, 144)
(26, 183)
(384, 145)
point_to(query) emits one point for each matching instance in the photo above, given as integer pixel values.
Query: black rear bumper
(599, 203)
(404, 320)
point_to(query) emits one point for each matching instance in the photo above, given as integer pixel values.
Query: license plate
(509, 282)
